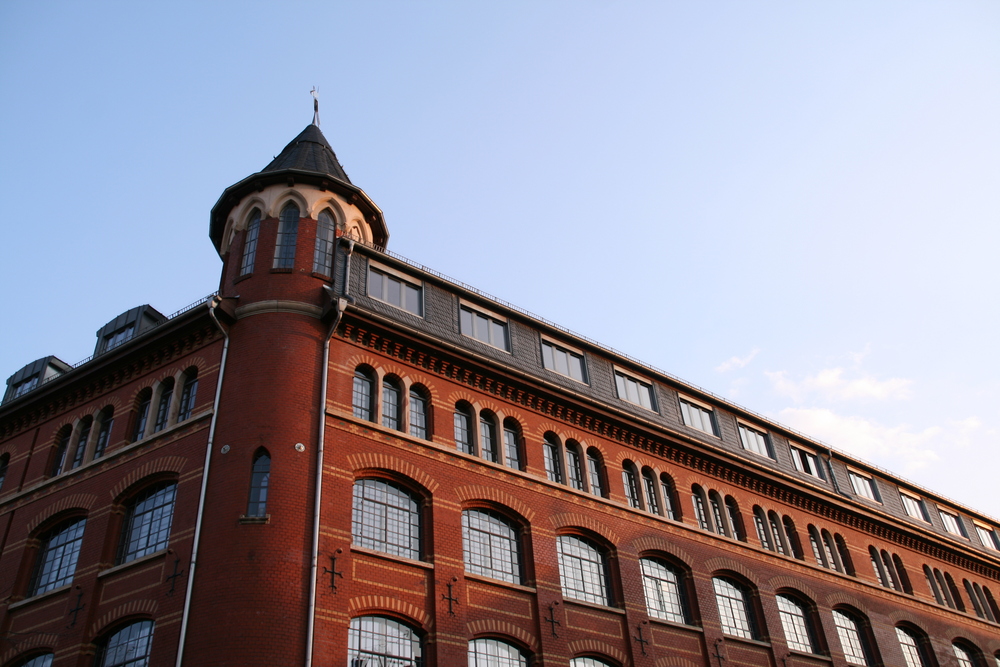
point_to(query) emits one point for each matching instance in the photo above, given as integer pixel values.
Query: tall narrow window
(649, 489)
(488, 435)
(147, 522)
(793, 537)
(669, 497)
(630, 484)
(495, 653)
(107, 420)
(595, 472)
(582, 570)
(323, 254)
(4, 462)
(189, 394)
(62, 450)
(385, 518)
(391, 404)
(260, 480)
(963, 656)
(418, 413)
(81, 442)
(57, 556)
(734, 608)
(552, 454)
(512, 443)
(795, 624)
(763, 534)
(574, 465)
(735, 520)
(163, 407)
(142, 415)
(779, 539)
(250, 243)
(715, 502)
(361, 396)
(463, 429)
(852, 643)
(375, 640)
(700, 511)
(128, 647)
(490, 546)
(288, 233)
(662, 585)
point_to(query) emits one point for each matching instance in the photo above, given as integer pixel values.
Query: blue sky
(793, 205)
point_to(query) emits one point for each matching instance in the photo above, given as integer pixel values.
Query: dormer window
(24, 386)
(113, 340)
(484, 326)
(288, 234)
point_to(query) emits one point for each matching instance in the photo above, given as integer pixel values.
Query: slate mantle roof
(307, 159)
(310, 151)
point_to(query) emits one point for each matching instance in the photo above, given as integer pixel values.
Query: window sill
(255, 520)
(156, 555)
(675, 624)
(239, 279)
(500, 582)
(814, 656)
(322, 276)
(752, 642)
(593, 605)
(396, 559)
(41, 596)
(277, 270)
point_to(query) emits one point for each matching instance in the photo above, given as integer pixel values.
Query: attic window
(113, 340)
(24, 386)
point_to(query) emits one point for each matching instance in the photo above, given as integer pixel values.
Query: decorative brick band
(595, 646)
(28, 642)
(794, 583)
(470, 493)
(173, 464)
(376, 461)
(491, 626)
(723, 563)
(839, 597)
(143, 608)
(657, 543)
(77, 500)
(567, 519)
(368, 604)
(674, 661)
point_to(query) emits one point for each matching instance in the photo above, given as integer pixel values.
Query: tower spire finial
(315, 93)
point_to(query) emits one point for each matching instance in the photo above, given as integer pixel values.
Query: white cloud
(896, 447)
(737, 362)
(830, 384)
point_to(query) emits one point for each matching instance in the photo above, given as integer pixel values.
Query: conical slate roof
(310, 151)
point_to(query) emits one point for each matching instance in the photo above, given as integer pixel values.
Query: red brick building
(343, 457)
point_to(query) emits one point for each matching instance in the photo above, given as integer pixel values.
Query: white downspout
(204, 483)
(341, 304)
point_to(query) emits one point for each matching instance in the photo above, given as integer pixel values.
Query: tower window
(250, 243)
(391, 404)
(418, 413)
(288, 234)
(189, 394)
(260, 481)
(323, 254)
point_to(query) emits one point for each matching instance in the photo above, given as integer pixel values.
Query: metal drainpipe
(828, 460)
(321, 439)
(204, 481)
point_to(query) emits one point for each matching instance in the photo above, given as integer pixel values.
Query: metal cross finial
(642, 640)
(78, 608)
(332, 570)
(315, 93)
(718, 654)
(173, 577)
(552, 618)
(451, 599)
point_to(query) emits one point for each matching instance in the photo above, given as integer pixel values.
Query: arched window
(128, 647)
(82, 435)
(260, 479)
(250, 243)
(463, 429)
(57, 556)
(953, 591)
(4, 463)
(491, 546)
(881, 575)
(376, 640)
(488, 440)
(814, 542)
(583, 570)
(699, 501)
(106, 419)
(913, 646)
(141, 414)
(735, 520)
(392, 404)
(735, 613)
(61, 450)
(793, 537)
(853, 642)
(189, 394)
(163, 405)
(552, 454)
(979, 603)
(323, 255)
(147, 522)
(288, 233)
(512, 443)
(649, 491)
(796, 624)
(671, 509)
(495, 653)
(419, 420)
(386, 518)
(717, 505)
(630, 483)
(595, 472)
(904, 578)
(965, 655)
(362, 395)
(588, 662)
(844, 555)
(932, 584)
(776, 530)
(661, 583)
(574, 465)
(763, 534)
(43, 660)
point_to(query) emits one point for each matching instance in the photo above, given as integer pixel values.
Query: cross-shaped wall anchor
(172, 578)
(77, 609)
(642, 640)
(551, 620)
(332, 570)
(718, 654)
(451, 600)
